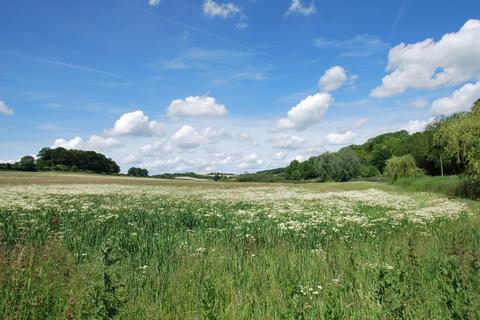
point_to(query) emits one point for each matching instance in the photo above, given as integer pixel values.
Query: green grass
(165, 257)
(448, 185)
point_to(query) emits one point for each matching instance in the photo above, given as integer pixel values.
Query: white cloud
(298, 7)
(284, 141)
(247, 137)
(196, 106)
(136, 124)
(340, 138)
(308, 112)
(334, 78)
(154, 2)
(361, 45)
(189, 138)
(460, 100)
(74, 143)
(215, 134)
(5, 109)
(224, 10)
(420, 103)
(241, 25)
(299, 158)
(100, 143)
(202, 58)
(250, 161)
(429, 64)
(280, 155)
(416, 125)
(96, 143)
(360, 123)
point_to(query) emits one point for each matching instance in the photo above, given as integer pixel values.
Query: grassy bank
(449, 185)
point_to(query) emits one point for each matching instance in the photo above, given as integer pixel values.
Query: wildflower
(54, 221)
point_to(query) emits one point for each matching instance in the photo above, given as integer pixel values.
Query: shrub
(369, 171)
(401, 167)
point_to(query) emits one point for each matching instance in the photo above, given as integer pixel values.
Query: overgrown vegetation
(112, 252)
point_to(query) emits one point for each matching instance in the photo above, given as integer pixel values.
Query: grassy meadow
(79, 246)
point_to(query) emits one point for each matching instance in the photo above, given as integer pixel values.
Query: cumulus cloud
(416, 125)
(420, 103)
(196, 106)
(334, 78)
(215, 134)
(189, 138)
(429, 64)
(308, 112)
(280, 155)
(96, 143)
(460, 100)
(250, 161)
(154, 2)
(340, 138)
(136, 124)
(284, 141)
(298, 8)
(225, 10)
(8, 161)
(247, 138)
(5, 109)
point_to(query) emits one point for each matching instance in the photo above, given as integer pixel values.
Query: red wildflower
(54, 221)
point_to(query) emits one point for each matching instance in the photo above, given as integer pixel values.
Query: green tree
(460, 137)
(346, 166)
(294, 171)
(401, 167)
(137, 172)
(27, 163)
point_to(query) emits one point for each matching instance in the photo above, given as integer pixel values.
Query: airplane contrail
(60, 63)
(196, 29)
(397, 20)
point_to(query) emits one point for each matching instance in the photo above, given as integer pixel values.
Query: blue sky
(228, 85)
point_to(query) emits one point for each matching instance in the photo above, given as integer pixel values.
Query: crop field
(93, 247)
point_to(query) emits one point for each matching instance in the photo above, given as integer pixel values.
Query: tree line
(61, 159)
(447, 146)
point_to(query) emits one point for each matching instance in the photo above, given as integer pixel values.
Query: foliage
(64, 159)
(460, 137)
(184, 174)
(137, 172)
(451, 186)
(368, 171)
(27, 163)
(401, 167)
(260, 177)
(294, 171)
(339, 166)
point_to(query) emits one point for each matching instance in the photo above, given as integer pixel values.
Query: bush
(401, 167)
(137, 172)
(27, 163)
(369, 171)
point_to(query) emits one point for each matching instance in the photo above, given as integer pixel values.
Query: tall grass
(199, 259)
